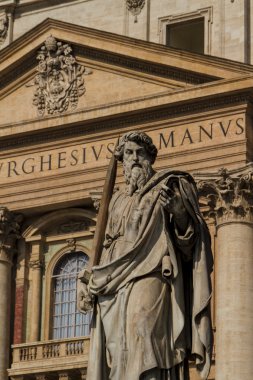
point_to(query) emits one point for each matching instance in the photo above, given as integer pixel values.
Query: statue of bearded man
(152, 286)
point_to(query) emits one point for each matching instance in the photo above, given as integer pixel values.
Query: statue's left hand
(171, 200)
(85, 300)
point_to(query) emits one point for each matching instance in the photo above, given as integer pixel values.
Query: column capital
(36, 264)
(9, 233)
(227, 194)
(41, 377)
(63, 376)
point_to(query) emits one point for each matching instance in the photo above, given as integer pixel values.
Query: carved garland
(59, 81)
(135, 7)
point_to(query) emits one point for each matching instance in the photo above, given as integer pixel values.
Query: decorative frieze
(228, 194)
(135, 7)
(132, 119)
(59, 81)
(9, 233)
(75, 226)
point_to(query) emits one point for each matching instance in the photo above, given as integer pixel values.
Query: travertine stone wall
(228, 27)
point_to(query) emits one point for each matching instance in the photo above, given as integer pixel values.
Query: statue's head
(140, 138)
(137, 152)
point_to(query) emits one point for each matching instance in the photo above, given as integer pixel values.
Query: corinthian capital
(227, 195)
(9, 233)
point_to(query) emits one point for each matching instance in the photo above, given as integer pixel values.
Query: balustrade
(49, 356)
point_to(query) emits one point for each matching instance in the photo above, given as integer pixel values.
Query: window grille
(68, 322)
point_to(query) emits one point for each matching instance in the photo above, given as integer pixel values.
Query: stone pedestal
(230, 197)
(8, 235)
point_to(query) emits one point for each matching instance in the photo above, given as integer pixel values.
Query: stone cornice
(8, 5)
(209, 67)
(112, 58)
(228, 194)
(127, 120)
(90, 32)
(140, 65)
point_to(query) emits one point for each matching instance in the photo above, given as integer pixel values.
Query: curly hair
(140, 138)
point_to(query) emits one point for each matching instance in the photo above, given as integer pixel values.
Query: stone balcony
(63, 359)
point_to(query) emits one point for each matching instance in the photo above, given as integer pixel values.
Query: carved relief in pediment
(59, 81)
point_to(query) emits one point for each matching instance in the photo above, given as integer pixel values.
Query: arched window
(68, 322)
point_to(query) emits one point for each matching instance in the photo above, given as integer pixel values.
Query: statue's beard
(137, 175)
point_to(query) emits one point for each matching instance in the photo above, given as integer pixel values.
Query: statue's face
(135, 155)
(136, 165)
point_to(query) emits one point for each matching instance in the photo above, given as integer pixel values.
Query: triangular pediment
(121, 75)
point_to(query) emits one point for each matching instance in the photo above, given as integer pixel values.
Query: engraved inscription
(88, 156)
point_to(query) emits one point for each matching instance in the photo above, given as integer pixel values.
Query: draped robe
(153, 288)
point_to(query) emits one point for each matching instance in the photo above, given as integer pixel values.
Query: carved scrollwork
(64, 376)
(96, 196)
(41, 377)
(71, 244)
(4, 24)
(59, 80)
(228, 195)
(36, 264)
(135, 7)
(9, 233)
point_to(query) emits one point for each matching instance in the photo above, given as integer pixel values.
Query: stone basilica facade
(74, 76)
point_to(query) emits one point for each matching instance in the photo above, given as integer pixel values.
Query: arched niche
(43, 225)
(49, 238)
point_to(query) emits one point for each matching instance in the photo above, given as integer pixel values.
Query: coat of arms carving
(59, 80)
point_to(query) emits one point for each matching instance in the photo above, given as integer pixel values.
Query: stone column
(35, 265)
(9, 232)
(230, 199)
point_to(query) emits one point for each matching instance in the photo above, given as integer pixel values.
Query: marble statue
(151, 290)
